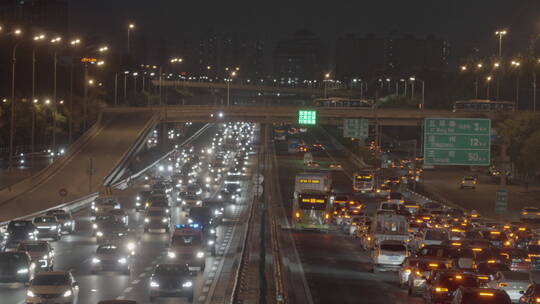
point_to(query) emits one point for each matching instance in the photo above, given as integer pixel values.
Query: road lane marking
(142, 275)
(135, 282)
(128, 290)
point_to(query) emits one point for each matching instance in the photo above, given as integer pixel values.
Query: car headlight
(99, 234)
(130, 246)
(190, 221)
(187, 284)
(53, 227)
(68, 293)
(122, 261)
(200, 254)
(22, 271)
(95, 260)
(138, 198)
(213, 231)
(45, 257)
(183, 202)
(210, 242)
(95, 226)
(137, 204)
(30, 294)
(154, 284)
(219, 196)
(147, 220)
(164, 220)
(171, 255)
(238, 190)
(199, 202)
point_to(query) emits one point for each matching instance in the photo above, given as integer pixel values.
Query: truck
(388, 225)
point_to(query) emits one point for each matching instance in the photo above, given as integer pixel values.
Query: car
(67, 224)
(109, 229)
(141, 199)
(518, 259)
(312, 164)
(187, 246)
(441, 287)
(422, 271)
(430, 237)
(41, 252)
(514, 283)
(389, 255)
(156, 218)
(530, 214)
(117, 302)
(335, 166)
(467, 295)
(120, 215)
(486, 270)
(16, 267)
(53, 287)
(405, 270)
(99, 219)
(171, 280)
(18, 231)
(531, 295)
(128, 240)
(468, 182)
(47, 227)
(104, 204)
(395, 198)
(111, 257)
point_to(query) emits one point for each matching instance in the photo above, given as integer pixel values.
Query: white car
(514, 283)
(389, 255)
(53, 287)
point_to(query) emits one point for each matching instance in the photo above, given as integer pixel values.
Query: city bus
(364, 181)
(312, 202)
(312, 211)
(483, 105)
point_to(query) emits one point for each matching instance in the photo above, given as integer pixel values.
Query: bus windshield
(312, 201)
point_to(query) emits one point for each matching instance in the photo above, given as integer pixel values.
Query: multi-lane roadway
(74, 252)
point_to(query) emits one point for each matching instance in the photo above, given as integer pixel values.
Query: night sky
(465, 23)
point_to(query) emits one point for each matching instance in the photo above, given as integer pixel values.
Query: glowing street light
(75, 42)
(501, 34)
(131, 26)
(463, 68)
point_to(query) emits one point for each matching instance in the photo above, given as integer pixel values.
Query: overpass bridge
(313, 92)
(288, 114)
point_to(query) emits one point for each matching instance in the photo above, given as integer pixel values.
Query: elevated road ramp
(101, 152)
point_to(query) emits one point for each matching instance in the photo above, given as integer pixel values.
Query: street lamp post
(73, 43)
(33, 130)
(326, 78)
(488, 81)
(479, 67)
(17, 32)
(516, 65)
(125, 87)
(500, 34)
(130, 27)
(423, 101)
(116, 89)
(232, 74)
(55, 41)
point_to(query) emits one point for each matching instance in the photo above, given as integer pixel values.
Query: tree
(530, 152)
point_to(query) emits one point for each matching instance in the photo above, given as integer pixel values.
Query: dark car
(465, 295)
(16, 267)
(441, 287)
(169, 280)
(111, 257)
(486, 271)
(141, 199)
(531, 295)
(18, 231)
(109, 229)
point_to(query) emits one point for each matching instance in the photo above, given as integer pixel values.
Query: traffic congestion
(164, 235)
(432, 252)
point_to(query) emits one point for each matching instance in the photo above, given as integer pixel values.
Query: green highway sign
(501, 201)
(457, 141)
(356, 128)
(307, 117)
